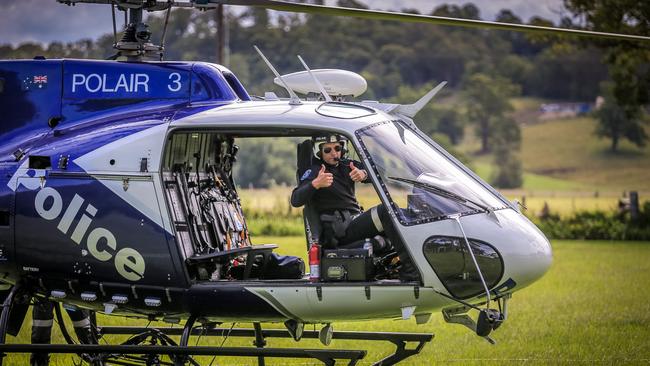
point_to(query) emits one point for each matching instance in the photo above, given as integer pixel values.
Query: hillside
(567, 149)
(565, 155)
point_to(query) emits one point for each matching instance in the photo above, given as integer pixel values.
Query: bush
(597, 225)
(276, 226)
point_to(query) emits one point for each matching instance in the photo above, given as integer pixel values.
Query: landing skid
(130, 353)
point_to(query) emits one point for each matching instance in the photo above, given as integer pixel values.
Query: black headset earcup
(319, 154)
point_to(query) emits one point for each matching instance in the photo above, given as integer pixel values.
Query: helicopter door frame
(203, 244)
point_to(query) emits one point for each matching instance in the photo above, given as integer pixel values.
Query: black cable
(222, 342)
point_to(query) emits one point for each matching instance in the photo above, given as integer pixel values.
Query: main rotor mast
(135, 43)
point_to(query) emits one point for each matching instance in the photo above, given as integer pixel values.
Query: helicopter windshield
(419, 179)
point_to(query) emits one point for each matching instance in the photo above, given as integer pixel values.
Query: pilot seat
(345, 259)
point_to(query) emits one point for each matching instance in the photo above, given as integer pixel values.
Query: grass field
(272, 204)
(591, 308)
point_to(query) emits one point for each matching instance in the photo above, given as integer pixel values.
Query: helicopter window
(210, 228)
(194, 149)
(207, 87)
(236, 86)
(343, 110)
(422, 183)
(450, 259)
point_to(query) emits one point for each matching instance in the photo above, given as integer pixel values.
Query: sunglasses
(328, 150)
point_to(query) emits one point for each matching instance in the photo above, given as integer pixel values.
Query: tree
(487, 107)
(568, 72)
(508, 173)
(487, 102)
(506, 144)
(628, 64)
(264, 162)
(615, 124)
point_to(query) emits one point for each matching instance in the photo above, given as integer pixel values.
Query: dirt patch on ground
(527, 117)
(554, 171)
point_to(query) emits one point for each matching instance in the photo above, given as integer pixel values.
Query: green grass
(591, 308)
(532, 182)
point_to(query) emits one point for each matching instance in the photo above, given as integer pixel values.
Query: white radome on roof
(334, 81)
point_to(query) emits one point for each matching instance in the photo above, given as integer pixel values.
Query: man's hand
(323, 180)
(357, 174)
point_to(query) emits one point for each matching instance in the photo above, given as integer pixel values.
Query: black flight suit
(340, 196)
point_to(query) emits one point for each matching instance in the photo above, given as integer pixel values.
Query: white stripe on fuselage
(126, 154)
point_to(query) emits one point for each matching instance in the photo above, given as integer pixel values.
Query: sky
(46, 20)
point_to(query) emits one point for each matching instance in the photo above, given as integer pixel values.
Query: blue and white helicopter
(117, 196)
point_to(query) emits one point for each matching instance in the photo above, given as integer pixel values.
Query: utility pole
(221, 35)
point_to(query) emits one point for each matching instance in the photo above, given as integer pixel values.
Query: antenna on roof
(320, 86)
(294, 98)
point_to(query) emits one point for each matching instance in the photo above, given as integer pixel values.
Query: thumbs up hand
(323, 180)
(356, 174)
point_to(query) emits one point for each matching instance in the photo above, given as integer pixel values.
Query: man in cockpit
(329, 187)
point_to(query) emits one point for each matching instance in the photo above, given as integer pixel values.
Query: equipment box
(346, 265)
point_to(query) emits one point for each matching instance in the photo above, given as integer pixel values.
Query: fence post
(634, 205)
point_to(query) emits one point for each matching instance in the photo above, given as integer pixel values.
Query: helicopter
(117, 196)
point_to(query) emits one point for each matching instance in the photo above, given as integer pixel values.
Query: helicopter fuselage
(90, 158)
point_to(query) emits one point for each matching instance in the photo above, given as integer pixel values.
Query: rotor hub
(135, 43)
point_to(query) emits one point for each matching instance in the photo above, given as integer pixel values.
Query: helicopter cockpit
(206, 210)
(420, 183)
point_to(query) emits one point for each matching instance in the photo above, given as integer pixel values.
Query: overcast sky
(46, 20)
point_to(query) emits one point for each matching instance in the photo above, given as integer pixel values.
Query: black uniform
(339, 196)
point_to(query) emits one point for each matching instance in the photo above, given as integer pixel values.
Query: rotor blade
(282, 5)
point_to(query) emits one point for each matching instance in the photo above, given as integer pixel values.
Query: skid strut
(180, 354)
(400, 340)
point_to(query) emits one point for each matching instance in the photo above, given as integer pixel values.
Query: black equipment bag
(284, 267)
